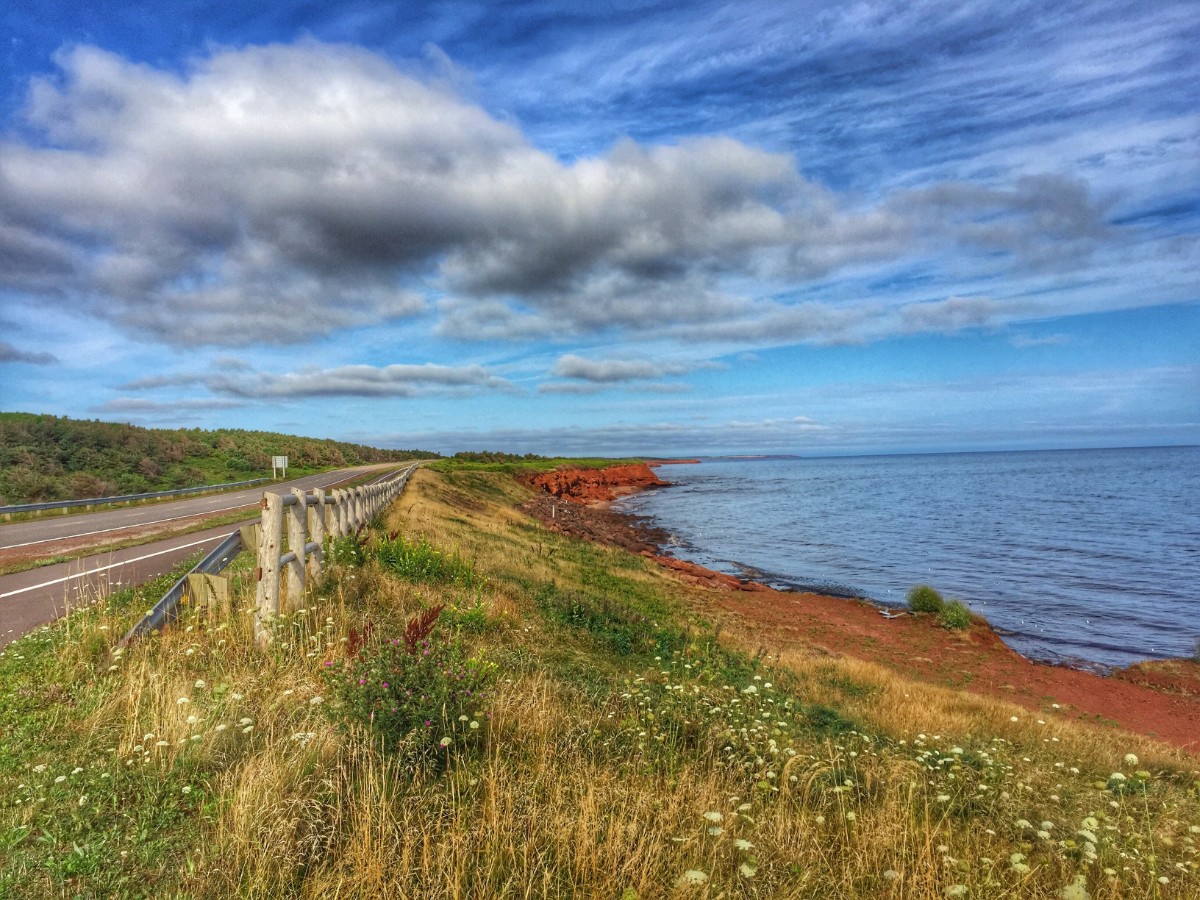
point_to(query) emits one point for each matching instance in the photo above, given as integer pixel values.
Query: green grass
(419, 560)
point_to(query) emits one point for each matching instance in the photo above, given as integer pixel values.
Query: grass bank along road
(37, 596)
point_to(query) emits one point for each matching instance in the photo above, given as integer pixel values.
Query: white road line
(34, 587)
(70, 537)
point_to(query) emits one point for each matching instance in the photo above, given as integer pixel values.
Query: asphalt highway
(38, 596)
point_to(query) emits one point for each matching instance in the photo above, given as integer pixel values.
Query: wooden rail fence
(308, 519)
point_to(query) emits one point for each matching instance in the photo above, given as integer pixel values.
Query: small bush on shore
(954, 615)
(923, 598)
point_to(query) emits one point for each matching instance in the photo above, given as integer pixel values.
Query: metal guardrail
(125, 498)
(166, 610)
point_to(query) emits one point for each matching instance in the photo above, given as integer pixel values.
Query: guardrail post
(316, 528)
(269, 538)
(296, 542)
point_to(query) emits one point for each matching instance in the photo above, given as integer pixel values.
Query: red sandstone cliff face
(595, 485)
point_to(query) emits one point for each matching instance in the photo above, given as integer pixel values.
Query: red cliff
(595, 485)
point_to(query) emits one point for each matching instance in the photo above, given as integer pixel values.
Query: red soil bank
(584, 486)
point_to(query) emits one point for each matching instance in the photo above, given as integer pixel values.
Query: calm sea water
(1088, 556)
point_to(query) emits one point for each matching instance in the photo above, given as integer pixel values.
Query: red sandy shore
(1158, 699)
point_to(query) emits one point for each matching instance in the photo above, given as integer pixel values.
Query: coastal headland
(1159, 699)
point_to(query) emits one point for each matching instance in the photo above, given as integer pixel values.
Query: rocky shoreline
(1160, 699)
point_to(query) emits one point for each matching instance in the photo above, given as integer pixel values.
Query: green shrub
(414, 689)
(923, 598)
(954, 615)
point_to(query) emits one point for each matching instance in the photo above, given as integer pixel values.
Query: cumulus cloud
(398, 380)
(10, 354)
(272, 194)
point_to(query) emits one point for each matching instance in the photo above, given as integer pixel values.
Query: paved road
(50, 528)
(38, 596)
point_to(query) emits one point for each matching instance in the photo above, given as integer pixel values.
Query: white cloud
(271, 194)
(246, 383)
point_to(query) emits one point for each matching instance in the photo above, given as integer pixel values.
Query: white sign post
(278, 462)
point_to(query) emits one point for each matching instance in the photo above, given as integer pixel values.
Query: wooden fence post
(296, 542)
(316, 529)
(269, 538)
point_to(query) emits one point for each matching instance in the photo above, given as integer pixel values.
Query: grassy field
(567, 725)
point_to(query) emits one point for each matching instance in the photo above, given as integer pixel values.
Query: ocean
(1086, 557)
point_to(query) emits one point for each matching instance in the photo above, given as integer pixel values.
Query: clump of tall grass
(420, 561)
(954, 615)
(922, 598)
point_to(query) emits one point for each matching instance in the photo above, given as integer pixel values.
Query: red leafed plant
(420, 626)
(358, 639)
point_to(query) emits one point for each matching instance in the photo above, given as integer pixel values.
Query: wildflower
(942, 798)
(83, 800)
(236, 696)
(316, 701)
(743, 844)
(474, 725)
(691, 878)
(77, 770)
(891, 874)
(748, 868)
(60, 779)
(162, 744)
(200, 683)
(956, 890)
(1131, 760)
(444, 742)
(187, 788)
(850, 816)
(714, 817)
(182, 700)
(41, 767)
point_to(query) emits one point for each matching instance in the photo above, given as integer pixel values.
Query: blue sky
(632, 228)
